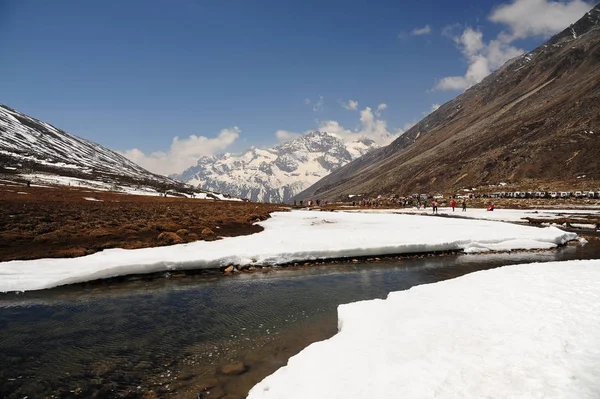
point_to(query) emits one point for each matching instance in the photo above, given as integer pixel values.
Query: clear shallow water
(170, 336)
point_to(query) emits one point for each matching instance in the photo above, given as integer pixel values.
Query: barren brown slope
(533, 123)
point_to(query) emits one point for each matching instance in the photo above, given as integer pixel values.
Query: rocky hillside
(29, 146)
(533, 123)
(275, 174)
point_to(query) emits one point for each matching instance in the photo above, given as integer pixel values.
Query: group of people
(464, 205)
(435, 205)
(311, 202)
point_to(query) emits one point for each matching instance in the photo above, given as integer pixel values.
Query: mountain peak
(276, 174)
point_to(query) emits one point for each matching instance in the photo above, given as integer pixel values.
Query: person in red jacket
(453, 205)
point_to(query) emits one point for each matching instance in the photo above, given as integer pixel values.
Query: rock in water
(234, 368)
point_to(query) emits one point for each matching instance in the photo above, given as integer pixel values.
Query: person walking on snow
(434, 205)
(464, 205)
(453, 205)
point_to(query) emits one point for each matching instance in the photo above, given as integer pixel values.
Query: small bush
(192, 237)
(169, 238)
(182, 233)
(207, 234)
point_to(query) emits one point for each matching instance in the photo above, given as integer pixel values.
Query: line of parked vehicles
(519, 194)
(545, 194)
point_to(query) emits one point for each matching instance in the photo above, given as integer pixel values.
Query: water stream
(168, 337)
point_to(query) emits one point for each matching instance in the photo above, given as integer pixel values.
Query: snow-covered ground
(503, 215)
(524, 331)
(290, 237)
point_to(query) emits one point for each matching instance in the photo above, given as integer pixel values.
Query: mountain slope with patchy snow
(276, 174)
(29, 145)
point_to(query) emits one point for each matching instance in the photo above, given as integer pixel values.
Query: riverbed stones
(149, 395)
(143, 365)
(230, 269)
(215, 392)
(207, 383)
(186, 376)
(234, 368)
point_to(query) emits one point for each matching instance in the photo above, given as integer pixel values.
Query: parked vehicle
(578, 194)
(564, 194)
(554, 194)
(590, 194)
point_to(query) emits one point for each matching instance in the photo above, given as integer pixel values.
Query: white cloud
(284, 135)
(483, 58)
(434, 107)
(316, 105)
(183, 152)
(370, 127)
(351, 105)
(380, 108)
(449, 30)
(526, 18)
(421, 31)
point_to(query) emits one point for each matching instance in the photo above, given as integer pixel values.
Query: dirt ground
(45, 222)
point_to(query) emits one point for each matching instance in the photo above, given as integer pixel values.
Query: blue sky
(132, 75)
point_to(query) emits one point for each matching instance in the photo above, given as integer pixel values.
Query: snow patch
(521, 331)
(289, 237)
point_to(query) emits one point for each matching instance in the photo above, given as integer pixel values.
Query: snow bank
(525, 331)
(289, 237)
(501, 215)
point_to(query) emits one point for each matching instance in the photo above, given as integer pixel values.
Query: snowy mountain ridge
(275, 174)
(28, 145)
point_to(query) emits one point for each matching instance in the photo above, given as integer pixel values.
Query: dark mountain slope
(533, 122)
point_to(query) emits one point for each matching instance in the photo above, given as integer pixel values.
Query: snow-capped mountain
(28, 145)
(275, 174)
